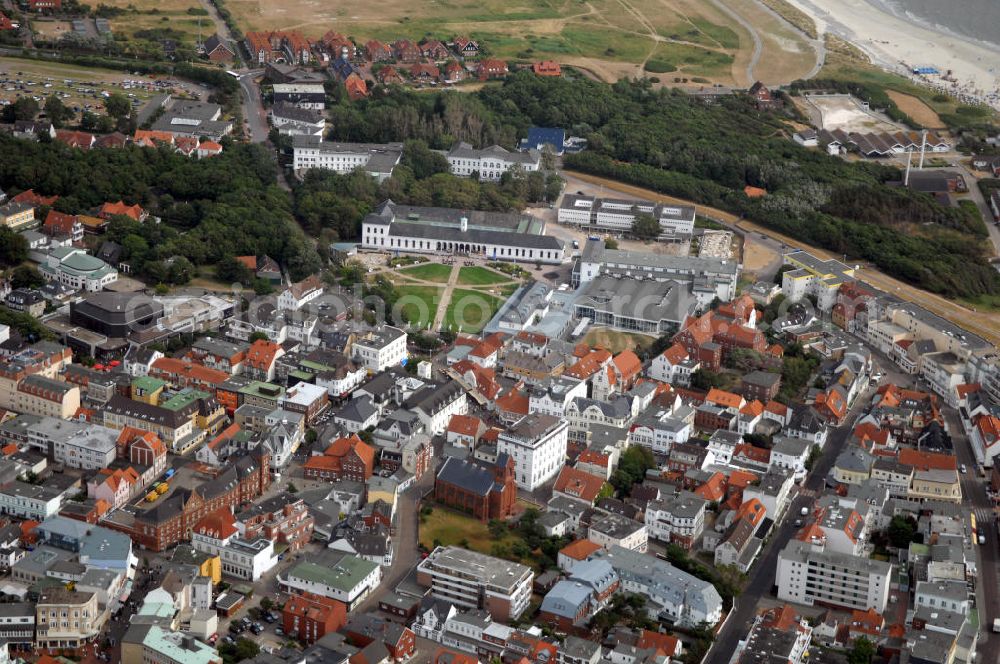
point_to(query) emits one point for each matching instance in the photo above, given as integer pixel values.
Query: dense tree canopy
(228, 205)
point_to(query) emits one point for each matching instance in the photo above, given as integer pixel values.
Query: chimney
(465, 224)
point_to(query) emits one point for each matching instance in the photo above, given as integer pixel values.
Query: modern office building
(477, 581)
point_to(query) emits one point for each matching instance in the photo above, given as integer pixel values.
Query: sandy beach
(898, 44)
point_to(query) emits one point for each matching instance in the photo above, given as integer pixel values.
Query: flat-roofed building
(537, 444)
(808, 574)
(710, 278)
(676, 221)
(477, 581)
(631, 305)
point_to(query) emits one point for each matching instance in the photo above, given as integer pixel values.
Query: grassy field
(470, 310)
(480, 276)
(452, 528)
(142, 18)
(428, 272)
(614, 340)
(609, 38)
(419, 303)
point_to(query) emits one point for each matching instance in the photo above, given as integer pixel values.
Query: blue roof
(566, 598)
(64, 527)
(598, 574)
(539, 136)
(342, 68)
(469, 476)
(103, 545)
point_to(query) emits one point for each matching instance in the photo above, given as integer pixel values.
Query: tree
(862, 652)
(706, 379)
(258, 336)
(13, 247)
(56, 111)
(645, 226)
(901, 531)
(26, 276)
(118, 106)
(632, 467)
(237, 652)
(181, 271)
(231, 270)
(497, 528)
(24, 108)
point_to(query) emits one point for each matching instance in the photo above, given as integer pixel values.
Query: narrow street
(761, 578)
(404, 542)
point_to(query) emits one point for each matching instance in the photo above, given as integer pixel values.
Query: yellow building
(383, 488)
(17, 216)
(67, 618)
(936, 484)
(148, 390)
(209, 565)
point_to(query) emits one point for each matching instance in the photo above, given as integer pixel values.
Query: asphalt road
(987, 583)
(761, 578)
(404, 542)
(253, 107)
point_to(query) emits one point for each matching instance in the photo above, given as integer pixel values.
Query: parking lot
(82, 89)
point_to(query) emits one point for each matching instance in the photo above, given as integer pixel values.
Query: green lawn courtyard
(428, 272)
(419, 303)
(471, 310)
(448, 527)
(480, 276)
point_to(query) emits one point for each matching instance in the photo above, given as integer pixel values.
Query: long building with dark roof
(171, 519)
(501, 236)
(486, 492)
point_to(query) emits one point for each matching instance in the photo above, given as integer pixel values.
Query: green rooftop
(147, 384)
(344, 576)
(183, 399)
(259, 388)
(299, 374)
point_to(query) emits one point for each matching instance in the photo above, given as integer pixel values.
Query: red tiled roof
(627, 364)
(723, 398)
(675, 354)
(580, 549)
(261, 354)
(989, 429)
(926, 460)
(776, 407)
(119, 207)
(594, 457)
(714, 489)
(250, 262)
(220, 524)
(752, 509)
(547, 68)
(577, 483)
(184, 370)
(29, 196)
(516, 401)
(589, 364)
(466, 425)
(741, 479)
